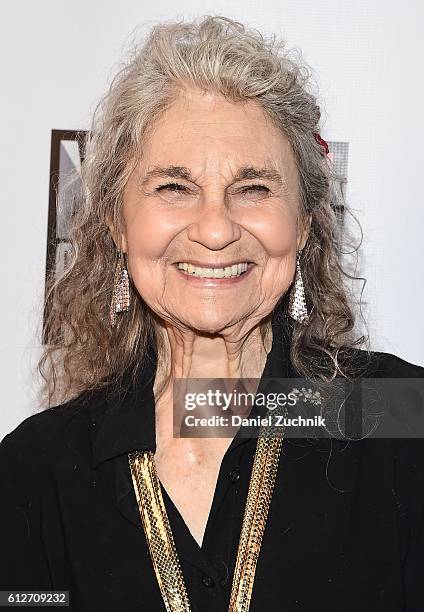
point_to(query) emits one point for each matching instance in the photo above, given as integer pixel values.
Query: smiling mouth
(231, 271)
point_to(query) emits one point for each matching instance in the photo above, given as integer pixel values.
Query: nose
(214, 228)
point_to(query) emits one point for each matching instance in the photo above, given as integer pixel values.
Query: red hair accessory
(323, 143)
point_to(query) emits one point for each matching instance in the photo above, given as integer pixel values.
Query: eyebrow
(242, 174)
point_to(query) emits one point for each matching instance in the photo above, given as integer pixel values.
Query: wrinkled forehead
(205, 136)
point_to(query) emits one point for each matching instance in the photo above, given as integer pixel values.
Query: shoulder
(400, 407)
(382, 365)
(43, 436)
(392, 365)
(407, 451)
(37, 466)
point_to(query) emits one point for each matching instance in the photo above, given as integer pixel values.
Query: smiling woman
(213, 218)
(204, 151)
(205, 247)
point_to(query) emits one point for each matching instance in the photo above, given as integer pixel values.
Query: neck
(192, 355)
(188, 466)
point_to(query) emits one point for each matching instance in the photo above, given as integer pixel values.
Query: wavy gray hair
(220, 55)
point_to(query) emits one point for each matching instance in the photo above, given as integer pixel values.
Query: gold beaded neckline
(159, 535)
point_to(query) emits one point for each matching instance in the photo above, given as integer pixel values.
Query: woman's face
(217, 187)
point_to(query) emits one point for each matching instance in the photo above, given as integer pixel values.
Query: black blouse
(345, 531)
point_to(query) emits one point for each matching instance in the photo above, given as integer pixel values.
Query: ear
(303, 233)
(120, 240)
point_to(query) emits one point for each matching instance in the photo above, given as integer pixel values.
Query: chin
(209, 325)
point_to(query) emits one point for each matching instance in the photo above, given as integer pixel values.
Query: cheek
(146, 242)
(276, 232)
(148, 236)
(149, 233)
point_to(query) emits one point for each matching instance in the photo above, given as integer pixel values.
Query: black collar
(128, 423)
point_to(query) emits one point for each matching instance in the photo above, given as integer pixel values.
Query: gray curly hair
(220, 55)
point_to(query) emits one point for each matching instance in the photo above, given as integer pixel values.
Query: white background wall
(57, 60)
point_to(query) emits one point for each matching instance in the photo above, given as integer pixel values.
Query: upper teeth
(227, 272)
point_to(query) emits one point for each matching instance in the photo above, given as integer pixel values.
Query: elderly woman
(205, 246)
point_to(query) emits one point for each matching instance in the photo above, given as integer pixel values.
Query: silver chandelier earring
(297, 302)
(121, 290)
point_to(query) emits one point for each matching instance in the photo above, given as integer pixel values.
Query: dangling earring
(297, 301)
(121, 290)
